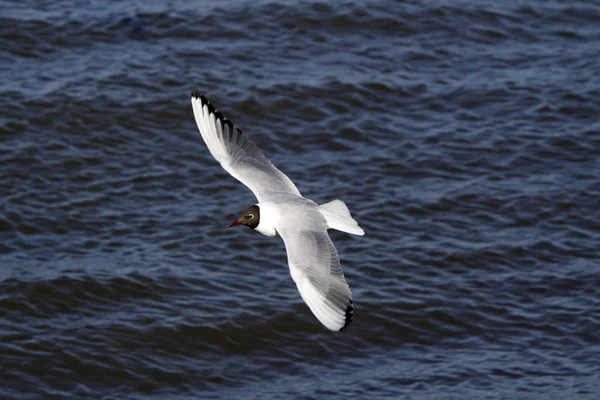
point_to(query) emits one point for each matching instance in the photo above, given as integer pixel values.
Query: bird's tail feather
(338, 217)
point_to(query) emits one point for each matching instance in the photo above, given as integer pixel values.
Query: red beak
(234, 223)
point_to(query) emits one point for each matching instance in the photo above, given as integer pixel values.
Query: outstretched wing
(237, 154)
(315, 267)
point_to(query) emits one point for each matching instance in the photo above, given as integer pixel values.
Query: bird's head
(250, 217)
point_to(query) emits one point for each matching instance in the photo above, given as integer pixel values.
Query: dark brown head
(250, 217)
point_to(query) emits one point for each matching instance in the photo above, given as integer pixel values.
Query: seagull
(281, 211)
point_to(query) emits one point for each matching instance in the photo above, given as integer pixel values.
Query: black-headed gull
(282, 211)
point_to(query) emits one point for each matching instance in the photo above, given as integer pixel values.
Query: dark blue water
(463, 135)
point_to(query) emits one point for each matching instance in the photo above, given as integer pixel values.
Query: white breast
(286, 211)
(270, 214)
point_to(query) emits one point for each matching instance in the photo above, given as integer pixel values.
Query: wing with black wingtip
(237, 154)
(315, 267)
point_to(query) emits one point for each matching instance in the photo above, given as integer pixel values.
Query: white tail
(338, 217)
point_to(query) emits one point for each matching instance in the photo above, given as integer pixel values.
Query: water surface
(463, 135)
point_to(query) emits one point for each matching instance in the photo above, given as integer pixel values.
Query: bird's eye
(250, 216)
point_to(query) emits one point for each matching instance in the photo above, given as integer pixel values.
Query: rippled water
(463, 135)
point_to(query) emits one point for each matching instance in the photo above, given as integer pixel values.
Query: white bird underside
(302, 224)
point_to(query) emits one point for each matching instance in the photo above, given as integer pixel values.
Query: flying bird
(282, 211)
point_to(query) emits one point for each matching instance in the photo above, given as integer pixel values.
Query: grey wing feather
(237, 154)
(315, 267)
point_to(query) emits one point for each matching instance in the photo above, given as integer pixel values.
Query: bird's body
(282, 211)
(302, 211)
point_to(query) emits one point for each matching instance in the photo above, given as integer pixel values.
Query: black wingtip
(218, 115)
(349, 314)
(212, 110)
